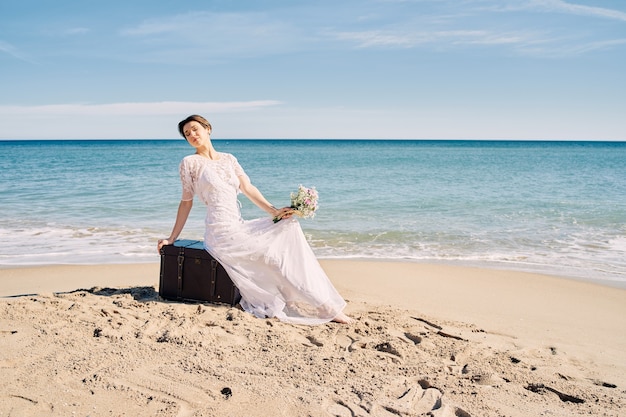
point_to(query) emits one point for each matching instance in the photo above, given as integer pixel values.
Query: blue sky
(384, 69)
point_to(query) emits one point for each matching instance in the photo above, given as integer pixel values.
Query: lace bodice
(215, 182)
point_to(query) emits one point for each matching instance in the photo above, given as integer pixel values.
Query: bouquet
(304, 202)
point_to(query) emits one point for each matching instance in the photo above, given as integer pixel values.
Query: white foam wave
(52, 243)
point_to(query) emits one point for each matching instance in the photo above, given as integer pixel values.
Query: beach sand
(428, 340)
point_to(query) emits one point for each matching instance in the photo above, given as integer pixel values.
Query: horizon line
(314, 139)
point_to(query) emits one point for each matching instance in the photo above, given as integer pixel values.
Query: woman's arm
(260, 201)
(181, 218)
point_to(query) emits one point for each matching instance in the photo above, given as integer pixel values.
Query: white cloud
(115, 120)
(374, 38)
(480, 23)
(7, 48)
(201, 37)
(565, 7)
(217, 34)
(11, 50)
(556, 6)
(368, 39)
(594, 46)
(138, 109)
(76, 31)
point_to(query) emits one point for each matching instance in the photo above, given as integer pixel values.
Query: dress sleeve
(238, 169)
(187, 180)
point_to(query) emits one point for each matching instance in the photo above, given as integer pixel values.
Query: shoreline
(494, 266)
(480, 339)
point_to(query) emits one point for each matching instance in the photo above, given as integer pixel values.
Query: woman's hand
(283, 213)
(161, 243)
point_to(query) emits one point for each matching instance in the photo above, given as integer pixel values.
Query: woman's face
(196, 134)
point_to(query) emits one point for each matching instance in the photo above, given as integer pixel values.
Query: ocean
(550, 207)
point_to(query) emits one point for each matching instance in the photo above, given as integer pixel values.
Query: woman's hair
(194, 118)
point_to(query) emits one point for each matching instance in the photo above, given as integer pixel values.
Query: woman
(271, 263)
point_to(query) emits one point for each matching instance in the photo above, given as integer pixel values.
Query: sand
(428, 340)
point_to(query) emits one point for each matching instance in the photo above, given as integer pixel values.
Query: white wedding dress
(272, 264)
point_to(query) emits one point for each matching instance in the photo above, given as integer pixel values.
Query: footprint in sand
(419, 398)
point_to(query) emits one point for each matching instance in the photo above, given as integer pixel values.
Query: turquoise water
(553, 207)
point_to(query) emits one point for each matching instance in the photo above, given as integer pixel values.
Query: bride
(271, 263)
